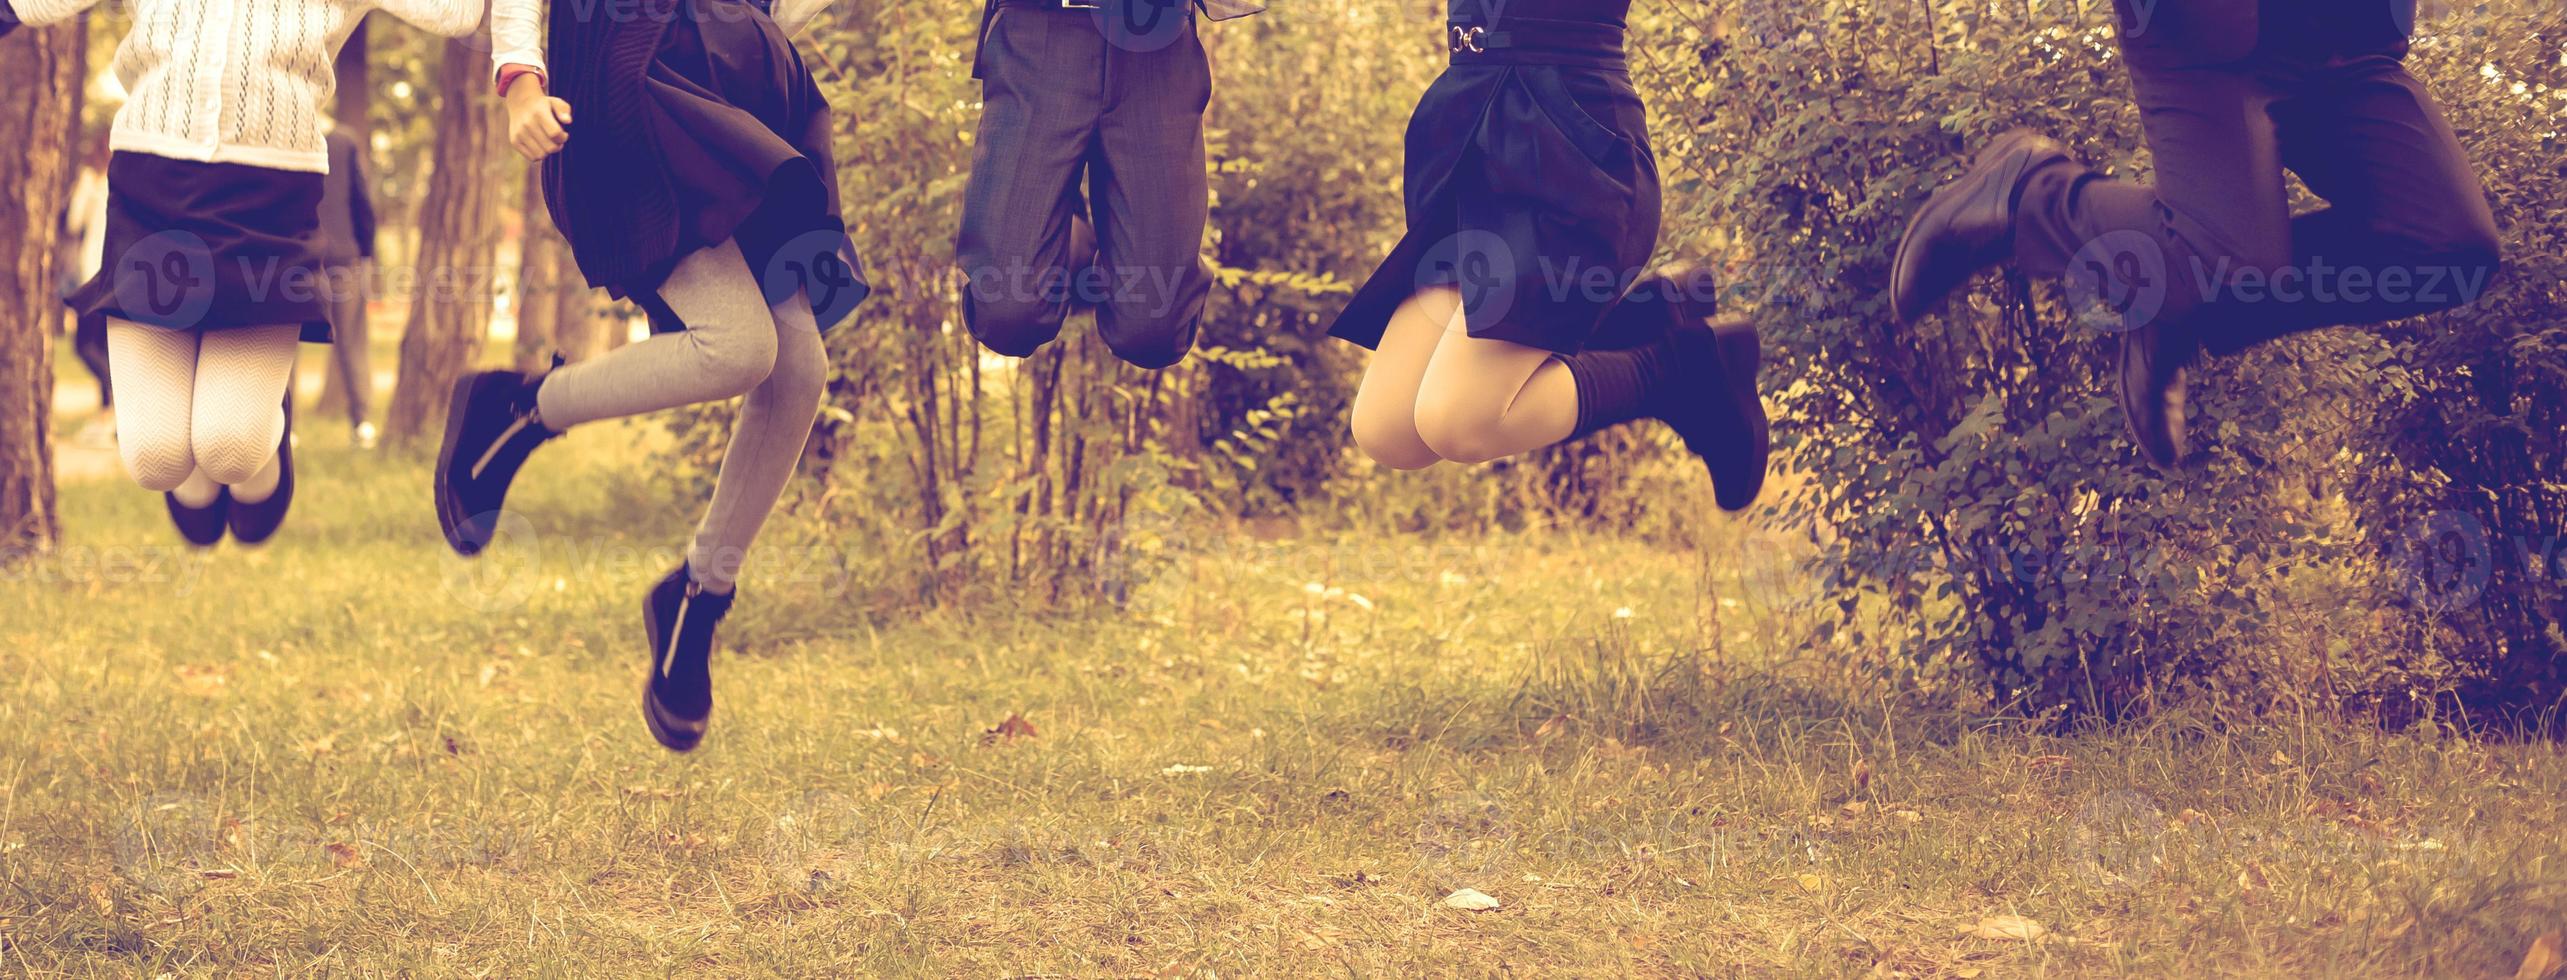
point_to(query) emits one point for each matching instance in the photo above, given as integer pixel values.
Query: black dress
(1531, 186)
(197, 247)
(698, 123)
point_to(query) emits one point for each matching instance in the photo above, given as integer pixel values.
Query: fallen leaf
(1856, 808)
(1811, 882)
(1862, 773)
(2013, 927)
(1910, 816)
(1015, 727)
(2280, 758)
(1469, 900)
(1181, 769)
(2545, 959)
(1551, 727)
(344, 855)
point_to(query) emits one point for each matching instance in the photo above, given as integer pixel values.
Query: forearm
(445, 18)
(517, 34)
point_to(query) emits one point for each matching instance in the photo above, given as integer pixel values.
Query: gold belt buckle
(1467, 39)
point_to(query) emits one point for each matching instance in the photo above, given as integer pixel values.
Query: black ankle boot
(492, 425)
(681, 616)
(1710, 400)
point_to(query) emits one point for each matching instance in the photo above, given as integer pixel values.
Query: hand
(794, 15)
(538, 124)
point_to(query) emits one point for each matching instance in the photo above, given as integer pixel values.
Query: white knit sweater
(239, 81)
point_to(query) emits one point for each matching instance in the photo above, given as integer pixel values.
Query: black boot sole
(466, 534)
(1742, 356)
(673, 733)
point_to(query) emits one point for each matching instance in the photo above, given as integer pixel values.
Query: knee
(737, 360)
(1462, 433)
(234, 450)
(1010, 321)
(2476, 255)
(158, 461)
(1151, 315)
(1148, 338)
(1390, 439)
(801, 374)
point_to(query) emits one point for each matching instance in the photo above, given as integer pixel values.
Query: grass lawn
(352, 752)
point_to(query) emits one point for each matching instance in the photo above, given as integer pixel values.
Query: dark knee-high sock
(1648, 315)
(1615, 386)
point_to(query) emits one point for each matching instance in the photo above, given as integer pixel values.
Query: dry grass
(352, 753)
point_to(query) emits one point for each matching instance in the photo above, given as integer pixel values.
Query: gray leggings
(734, 344)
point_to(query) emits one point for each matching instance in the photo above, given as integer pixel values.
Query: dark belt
(1531, 41)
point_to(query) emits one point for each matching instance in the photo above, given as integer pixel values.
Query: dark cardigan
(599, 52)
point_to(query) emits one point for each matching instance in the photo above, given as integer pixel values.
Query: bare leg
(1385, 410)
(1484, 400)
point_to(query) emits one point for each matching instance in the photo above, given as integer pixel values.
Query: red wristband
(509, 74)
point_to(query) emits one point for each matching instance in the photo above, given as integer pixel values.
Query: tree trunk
(450, 313)
(355, 69)
(539, 327)
(41, 69)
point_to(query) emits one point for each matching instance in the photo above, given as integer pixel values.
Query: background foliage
(1962, 490)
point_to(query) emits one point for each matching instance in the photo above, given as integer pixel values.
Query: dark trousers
(2211, 250)
(89, 343)
(350, 338)
(1072, 97)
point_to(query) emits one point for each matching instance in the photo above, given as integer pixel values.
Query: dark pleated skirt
(732, 120)
(209, 246)
(1532, 189)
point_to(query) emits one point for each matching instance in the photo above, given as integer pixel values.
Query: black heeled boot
(492, 425)
(677, 699)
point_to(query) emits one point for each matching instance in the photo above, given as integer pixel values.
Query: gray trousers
(2211, 250)
(351, 338)
(1072, 96)
(734, 344)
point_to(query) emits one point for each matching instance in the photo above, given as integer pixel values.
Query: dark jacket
(1212, 9)
(599, 54)
(2188, 33)
(347, 206)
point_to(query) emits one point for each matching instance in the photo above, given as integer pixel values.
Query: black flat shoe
(1723, 420)
(677, 699)
(1966, 226)
(201, 526)
(492, 425)
(254, 523)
